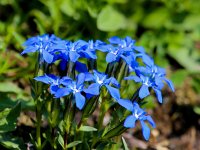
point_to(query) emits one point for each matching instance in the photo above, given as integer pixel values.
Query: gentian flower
(74, 87)
(137, 114)
(120, 48)
(51, 79)
(89, 49)
(100, 80)
(151, 76)
(67, 50)
(127, 44)
(43, 44)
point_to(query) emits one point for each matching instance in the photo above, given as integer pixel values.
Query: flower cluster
(89, 82)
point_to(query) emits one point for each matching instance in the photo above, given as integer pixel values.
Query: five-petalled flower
(101, 79)
(151, 76)
(74, 87)
(43, 44)
(137, 114)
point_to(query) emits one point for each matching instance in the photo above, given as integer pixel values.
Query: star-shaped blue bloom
(101, 79)
(151, 76)
(74, 87)
(89, 49)
(69, 51)
(43, 44)
(50, 79)
(132, 62)
(120, 48)
(127, 44)
(137, 114)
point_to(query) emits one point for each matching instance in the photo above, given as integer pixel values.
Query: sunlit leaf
(10, 142)
(110, 19)
(61, 141)
(72, 144)
(9, 87)
(157, 18)
(9, 121)
(87, 128)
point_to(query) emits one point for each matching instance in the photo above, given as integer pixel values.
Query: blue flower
(100, 80)
(68, 50)
(43, 44)
(51, 79)
(137, 114)
(127, 44)
(120, 48)
(89, 49)
(151, 76)
(132, 62)
(74, 87)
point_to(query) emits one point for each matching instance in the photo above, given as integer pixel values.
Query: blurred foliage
(168, 29)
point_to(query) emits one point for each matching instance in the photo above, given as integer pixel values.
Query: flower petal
(44, 79)
(89, 76)
(62, 92)
(114, 82)
(66, 81)
(135, 78)
(139, 49)
(150, 120)
(145, 130)
(170, 84)
(144, 91)
(81, 67)
(80, 100)
(73, 55)
(147, 60)
(47, 56)
(113, 92)
(80, 79)
(93, 89)
(126, 104)
(130, 122)
(158, 95)
(114, 40)
(54, 89)
(30, 49)
(110, 57)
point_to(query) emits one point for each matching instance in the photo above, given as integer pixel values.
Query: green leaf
(87, 128)
(7, 102)
(191, 22)
(114, 131)
(156, 18)
(9, 142)
(149, 102)
(109, 19)
(182, 56)
(3, 115)
(19, 38)
(178, 77)
(9, 122)
(61, 141)
(125, 144)
(72, 144)
(67, 7)
(39, 26)
(197, 110)
(9, 87)
(117, 1)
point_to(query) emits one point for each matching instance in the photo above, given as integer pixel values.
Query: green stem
(38, 127)
(103, 108)
(69, 113)
(65, 141)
